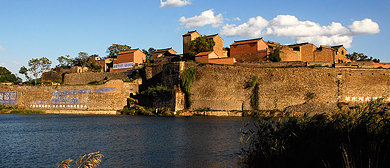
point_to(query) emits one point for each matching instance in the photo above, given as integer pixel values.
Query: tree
(38, 66)
(149, 54)
(24, 71)
(7, 76)
(82, 59)
(66, 61)
(200, 44)
(361, 57)
(114, 49)
(274, 56)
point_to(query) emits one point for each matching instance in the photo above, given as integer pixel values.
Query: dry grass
(85, 161)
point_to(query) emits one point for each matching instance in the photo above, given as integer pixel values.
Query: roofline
(249, 39)
(299, 44)
(133, 50)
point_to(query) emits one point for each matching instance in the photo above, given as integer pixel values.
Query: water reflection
(125, 141)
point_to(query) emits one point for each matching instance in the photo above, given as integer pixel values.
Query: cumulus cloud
(302, 31)
(237, 18)
(366, 26)
(205, 18)
(173, 3)
(1, 48)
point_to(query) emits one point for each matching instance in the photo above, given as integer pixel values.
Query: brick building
(127, 60)
(165, 55)
(212, 57)
(253, 50)
(192, 35)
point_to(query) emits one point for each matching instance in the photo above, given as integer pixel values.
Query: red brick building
(212, 57)
(127, 60)
(253, 50)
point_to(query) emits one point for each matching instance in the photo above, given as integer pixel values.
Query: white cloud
(205, 18)
(1, 48)
(302, 31)
(253, 28)
(366, 26)
(237, 18)
(3, 64)
(172, 3)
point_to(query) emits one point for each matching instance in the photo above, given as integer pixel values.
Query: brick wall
(307, 52)
(225, 87)
(324, 55)
(108, 97)
(85, 78)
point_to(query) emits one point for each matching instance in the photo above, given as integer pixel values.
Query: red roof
(204, 53)
(128, 51)
(246, 41)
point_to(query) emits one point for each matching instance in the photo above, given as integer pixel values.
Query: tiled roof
(204, 53)
(190, 32)
(211, 36)
(128, 51)
(298, 44)
(246, 41)
(162, 50)
(338, 46)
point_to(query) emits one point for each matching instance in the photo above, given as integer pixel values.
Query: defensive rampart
(85, 78)
(223, 87)
(110, 96)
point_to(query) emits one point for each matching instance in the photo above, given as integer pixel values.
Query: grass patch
(21, 111)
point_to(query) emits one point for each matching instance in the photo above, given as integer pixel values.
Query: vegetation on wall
(187, 77)
(155, 91)
(254, 84)
(274, 56)
(359, 137)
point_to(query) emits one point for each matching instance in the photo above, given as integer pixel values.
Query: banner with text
(124, 65)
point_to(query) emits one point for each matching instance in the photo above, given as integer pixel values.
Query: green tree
(200, 44)
(274, 56)
(82, 59)
(66, 61)
(149, 54)
(114, 49)
(360, 57)
(24, 71)
(7, 76)
(38, 66)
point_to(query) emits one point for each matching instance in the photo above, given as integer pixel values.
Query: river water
(125, 141)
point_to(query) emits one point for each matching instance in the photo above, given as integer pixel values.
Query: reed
(90, 160)
(359, 137)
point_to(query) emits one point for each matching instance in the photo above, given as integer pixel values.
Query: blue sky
(51, 28)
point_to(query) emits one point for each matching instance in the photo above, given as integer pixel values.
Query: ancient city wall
(85, 78)
(222, 87)
(111, 96)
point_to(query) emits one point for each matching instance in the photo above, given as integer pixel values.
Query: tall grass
(359, 137)
(85, 161)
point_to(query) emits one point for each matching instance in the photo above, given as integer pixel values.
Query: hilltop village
(225, 81)
(249, 51)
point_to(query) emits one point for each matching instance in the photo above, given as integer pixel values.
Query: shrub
(356, 138)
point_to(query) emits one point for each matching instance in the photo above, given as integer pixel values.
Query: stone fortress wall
(111, 96)
(223, 87)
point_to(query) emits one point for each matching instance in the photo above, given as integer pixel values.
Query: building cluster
(244, 51)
